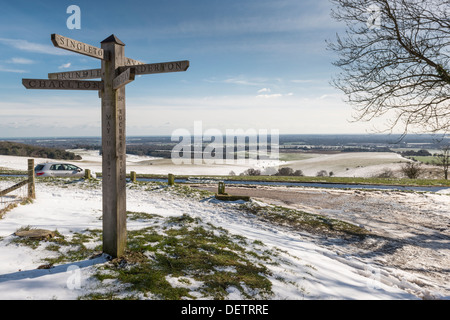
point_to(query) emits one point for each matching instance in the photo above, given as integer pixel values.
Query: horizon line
(281, 134)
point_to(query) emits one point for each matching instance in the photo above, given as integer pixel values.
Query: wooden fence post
(31, 180)
(221, 189)
(87, 174)
(171, 179)
(133, 176)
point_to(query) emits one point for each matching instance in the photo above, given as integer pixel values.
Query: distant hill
(24, 150)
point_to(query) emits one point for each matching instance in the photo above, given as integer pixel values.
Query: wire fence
(11, 194)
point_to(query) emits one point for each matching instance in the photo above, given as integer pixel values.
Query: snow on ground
(145, 165)
(355, 164)
(313, 268)
(317, 271)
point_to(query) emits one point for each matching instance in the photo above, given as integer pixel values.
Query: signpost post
(115, 73)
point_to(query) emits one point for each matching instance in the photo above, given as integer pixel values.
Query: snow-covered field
(311, 267)
(73, 209)
(355, 164)
(150, 165)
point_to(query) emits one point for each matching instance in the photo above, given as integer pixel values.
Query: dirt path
(412, 229)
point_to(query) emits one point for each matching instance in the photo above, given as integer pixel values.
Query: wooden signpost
(115, 73)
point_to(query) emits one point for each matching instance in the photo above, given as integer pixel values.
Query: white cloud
(25, 45)
(272, 95)
(240, 80)
(269, 96)
(303, 81)
(20, 61)
(2, 69)
(245, 81)
(65, 66)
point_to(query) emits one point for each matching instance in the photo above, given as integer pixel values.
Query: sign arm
(62, 84)
(78, 74)
(78, 47)
(124, 78)
(163, 67)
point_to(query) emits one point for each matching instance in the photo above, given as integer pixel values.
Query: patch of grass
(345, 180)
(182, 220)
(178, 189)
(426, 159)
(300, 220)
(228, 197)
(27, 201)
(140, 215)
(331, 180)
(188, 249)
(144, 239)
(6, 171)
(74, 249)
(144, 277)
(67, 250)
(9, 207)
(187, 191)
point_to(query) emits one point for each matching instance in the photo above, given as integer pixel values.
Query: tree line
(8, 148)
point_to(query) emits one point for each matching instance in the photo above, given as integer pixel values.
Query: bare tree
(444, 160)
(395, 60)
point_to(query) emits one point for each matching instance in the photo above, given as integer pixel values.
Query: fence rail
(14, 187)
(30, 182)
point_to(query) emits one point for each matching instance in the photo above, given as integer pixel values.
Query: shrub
(412, 169)
(252, 172)
(322, 173)
(286, 171)
(386, 173)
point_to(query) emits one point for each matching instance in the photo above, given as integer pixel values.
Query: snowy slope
(313, 269)
(318, 272)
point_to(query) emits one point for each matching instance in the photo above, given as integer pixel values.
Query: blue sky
(254, 64)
